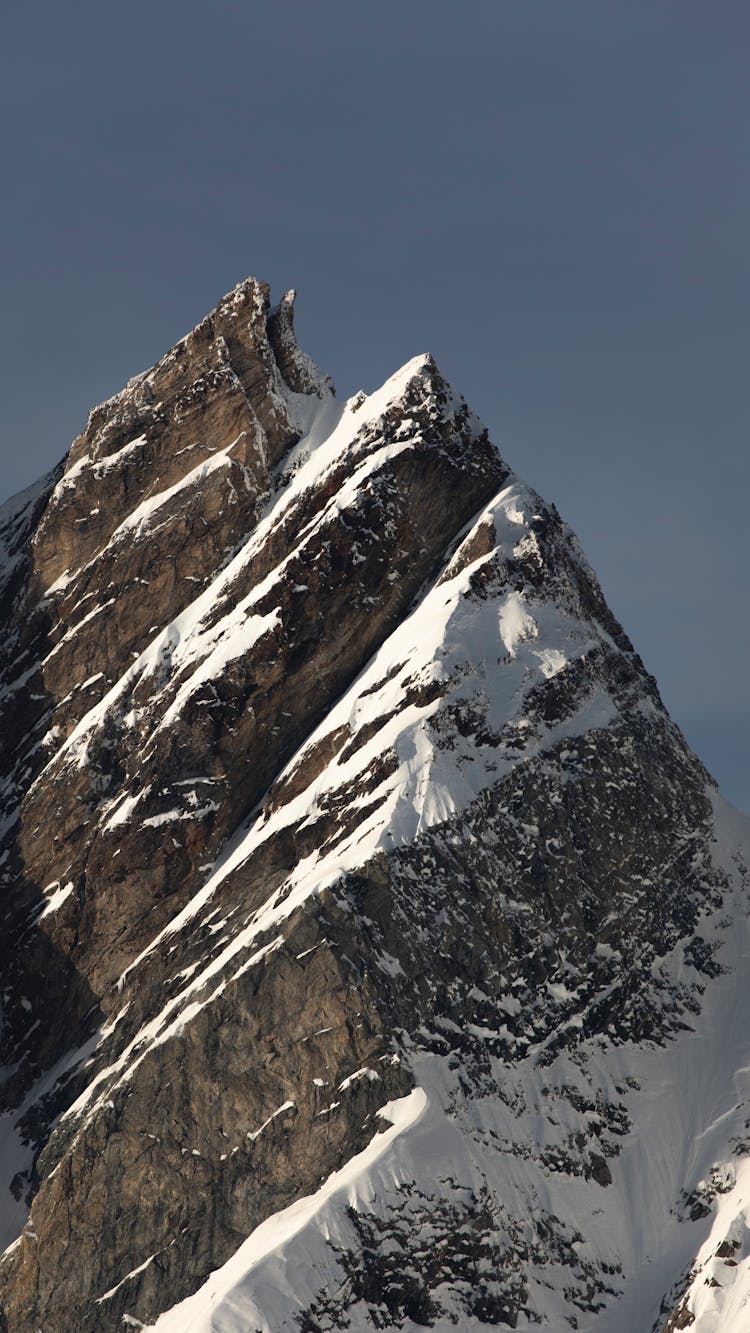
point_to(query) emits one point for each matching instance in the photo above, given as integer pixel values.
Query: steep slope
(392, 940)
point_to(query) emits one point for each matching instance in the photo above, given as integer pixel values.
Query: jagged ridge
(335, 794)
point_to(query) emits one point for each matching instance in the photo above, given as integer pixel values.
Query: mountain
(375, 950)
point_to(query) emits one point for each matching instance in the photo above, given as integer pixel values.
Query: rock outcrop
(365, 912)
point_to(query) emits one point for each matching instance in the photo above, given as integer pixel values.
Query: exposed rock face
(349, 857)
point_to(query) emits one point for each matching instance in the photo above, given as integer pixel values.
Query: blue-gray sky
(552, 196)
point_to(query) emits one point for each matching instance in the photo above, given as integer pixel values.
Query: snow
(196, 646)
(78, 626)
(515, 623)
(141, 520)
(60, 584)
(482, 656)
(254, 1134)
(18, 505)
(72, 472)
(122, 810)
(56, 899)
(365, 1073)
(684, 1101)
(448, 638)
(133, 1273)
(485, 654)
(99, 466)
(234, 636)
(229, 1300)
(17, 1154)
(14, 517)
(104, 465)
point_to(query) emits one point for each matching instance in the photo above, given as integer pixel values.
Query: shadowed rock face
(324, 764)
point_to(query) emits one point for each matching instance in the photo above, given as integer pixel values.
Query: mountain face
(375, 950)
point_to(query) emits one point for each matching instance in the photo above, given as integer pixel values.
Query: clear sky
(552, 196)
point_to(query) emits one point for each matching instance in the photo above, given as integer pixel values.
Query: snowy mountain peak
(373, 941)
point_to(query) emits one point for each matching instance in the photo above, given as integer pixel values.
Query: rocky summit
(375, 951)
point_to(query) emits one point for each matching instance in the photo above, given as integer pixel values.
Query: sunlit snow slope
(376, 949)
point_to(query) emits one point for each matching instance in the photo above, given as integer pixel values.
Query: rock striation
(374, 944)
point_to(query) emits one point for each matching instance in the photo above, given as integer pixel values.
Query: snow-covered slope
(395, 944)
(607, 1248)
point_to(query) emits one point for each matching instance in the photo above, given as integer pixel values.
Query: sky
(551, 196)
